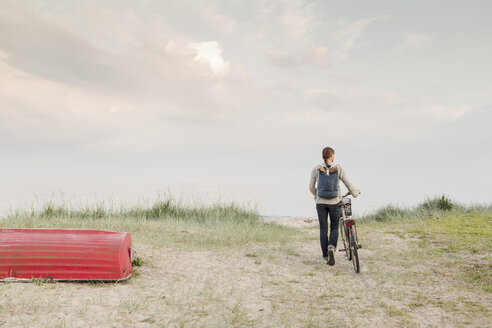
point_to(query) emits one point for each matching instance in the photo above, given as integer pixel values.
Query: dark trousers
(323, 211)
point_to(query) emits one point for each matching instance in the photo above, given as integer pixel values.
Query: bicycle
(348, 230)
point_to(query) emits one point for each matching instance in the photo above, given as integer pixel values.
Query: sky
(248, 92)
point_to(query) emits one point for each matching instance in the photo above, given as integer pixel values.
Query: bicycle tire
(345, 240)
(354, 248)
(348, 248)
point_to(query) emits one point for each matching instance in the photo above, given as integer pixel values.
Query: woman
(326, 206)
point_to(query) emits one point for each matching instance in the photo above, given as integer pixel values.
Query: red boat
(61, 254)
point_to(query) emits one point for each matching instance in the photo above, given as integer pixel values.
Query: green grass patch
(138, 261)
(457, 231)
(478, 274)
(440, 227)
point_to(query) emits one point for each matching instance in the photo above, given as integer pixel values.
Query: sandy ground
(264, 285)
(296, 222)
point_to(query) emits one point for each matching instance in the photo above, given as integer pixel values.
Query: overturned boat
(65, 255)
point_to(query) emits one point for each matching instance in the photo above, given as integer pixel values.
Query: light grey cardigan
(313, 183)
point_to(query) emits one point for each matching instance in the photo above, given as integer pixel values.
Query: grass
(165, 223)
(431, 208)
(221, 266)
(443, 228)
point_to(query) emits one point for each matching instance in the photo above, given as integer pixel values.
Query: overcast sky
(242, 91)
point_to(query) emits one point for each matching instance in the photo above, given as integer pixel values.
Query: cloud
(317, 57)
(281, 58)
(349, 33)
(211, 53)
(214, 15)
(448, 112)
(283, 21)
(184, 87)
(114, 109)
(46, 71)
(282, 30)
(413, 41)
(39, 47)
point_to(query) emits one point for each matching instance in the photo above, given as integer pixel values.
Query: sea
(285, 199)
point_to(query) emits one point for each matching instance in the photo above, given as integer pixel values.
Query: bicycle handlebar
(348, 194)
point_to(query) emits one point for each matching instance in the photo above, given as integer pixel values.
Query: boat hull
(65, 254)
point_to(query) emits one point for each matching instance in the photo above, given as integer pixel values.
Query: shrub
(437, 204)
(387, 213)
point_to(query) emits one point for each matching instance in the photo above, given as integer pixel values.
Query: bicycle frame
(348, 230)
(345, 235)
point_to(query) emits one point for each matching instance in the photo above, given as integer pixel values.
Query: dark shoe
(331, 257)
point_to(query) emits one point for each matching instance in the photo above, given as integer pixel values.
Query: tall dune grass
(431, 207)
(165, 222)
(164, 208)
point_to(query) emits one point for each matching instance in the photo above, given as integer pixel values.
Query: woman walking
(324, 184)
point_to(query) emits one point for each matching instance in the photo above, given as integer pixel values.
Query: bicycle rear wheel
(354, 250)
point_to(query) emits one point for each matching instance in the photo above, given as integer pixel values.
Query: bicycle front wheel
(354, 250)
(345, 239)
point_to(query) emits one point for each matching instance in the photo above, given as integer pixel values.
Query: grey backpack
(328, 185)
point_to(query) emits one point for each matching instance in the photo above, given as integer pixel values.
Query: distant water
(291, 199)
